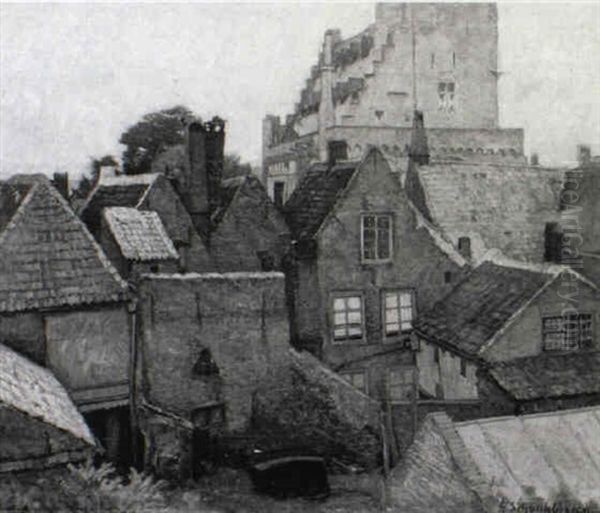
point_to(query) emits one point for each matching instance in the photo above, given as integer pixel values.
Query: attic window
(376, 238)
(205, 365)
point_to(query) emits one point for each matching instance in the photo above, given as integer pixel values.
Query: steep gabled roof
(35, 391)
(139, 235)
(480, 306)
(116, 191)
(549, 375)
(501, 206)
(315, 196)
(49, 259)
(228, 188)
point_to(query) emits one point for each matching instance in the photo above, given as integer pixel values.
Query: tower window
(454, 59)
(432, 60)
(446, 96)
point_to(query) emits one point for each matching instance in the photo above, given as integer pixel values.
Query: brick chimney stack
(61, 184)
(419, 149)
(203, 170)
(326, 108)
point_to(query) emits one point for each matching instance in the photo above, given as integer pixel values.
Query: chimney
(106, 172)
(61, 184)
(584, 155)
(464, 247)
(534, 159)
(326, 108)
(215, 156)
(195, 189)
(419, 149)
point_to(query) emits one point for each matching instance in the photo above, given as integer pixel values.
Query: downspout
(133, 418)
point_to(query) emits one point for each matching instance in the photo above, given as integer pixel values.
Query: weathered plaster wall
(89, 348)
(524, 336)
(240, 318)
(445, 374)
(24, 332)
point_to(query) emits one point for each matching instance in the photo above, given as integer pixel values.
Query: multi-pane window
(446, 96)
(567, 332)
(399, 310)
(376, 237)
(356, 379)
(401, 383)
(347, 318)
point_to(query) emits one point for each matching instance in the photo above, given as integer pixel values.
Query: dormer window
(567, 332)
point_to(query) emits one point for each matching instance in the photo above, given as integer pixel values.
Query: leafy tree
(154, 132)
(88, 180)
(233, 166)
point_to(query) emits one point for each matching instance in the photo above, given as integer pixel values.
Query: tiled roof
(117, 191)
(34, 391)
(497, 206)
(549, 375)
(139, 235)
(550, 454)
(49, 259)
(315, 196)
(480, 305)
(227, 191)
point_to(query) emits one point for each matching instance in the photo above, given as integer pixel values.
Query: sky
(73, 77)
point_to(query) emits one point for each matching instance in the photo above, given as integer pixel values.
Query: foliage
(233, 166)
(88, 180)
(82, 488)
(154, 132)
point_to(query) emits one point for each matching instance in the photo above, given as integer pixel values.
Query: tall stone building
(441, 59)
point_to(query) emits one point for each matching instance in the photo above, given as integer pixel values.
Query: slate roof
(49, 259)
(117, 191)
(549, 453)
(139, 235)
(480, 305)
(35, 391)
(497, 206)
(549, 375)
(315, 196)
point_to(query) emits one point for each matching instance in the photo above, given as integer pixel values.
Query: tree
(154, 132)
(89, 179)
(233, 166)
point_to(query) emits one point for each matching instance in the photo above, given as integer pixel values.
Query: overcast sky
(74, 76)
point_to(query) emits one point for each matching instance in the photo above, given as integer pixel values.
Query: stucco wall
(240, 318)
(89, 348)
(524, 336)
(445, 373)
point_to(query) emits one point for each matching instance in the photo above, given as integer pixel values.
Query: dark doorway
(278, 191)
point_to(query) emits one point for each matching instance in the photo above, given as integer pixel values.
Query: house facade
(512, 339)
(441, 59)
(365, 265)
(64, 305)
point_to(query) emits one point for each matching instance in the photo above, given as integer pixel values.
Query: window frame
(363, 372)
(391, 337)
(446, 98)
(376, 215)
(582, 343)
(388, 383)
(343, 294)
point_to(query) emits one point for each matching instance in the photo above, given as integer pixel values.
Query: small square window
(347, 318)
(399, 311)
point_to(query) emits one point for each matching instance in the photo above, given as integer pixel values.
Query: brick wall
(240, 318)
